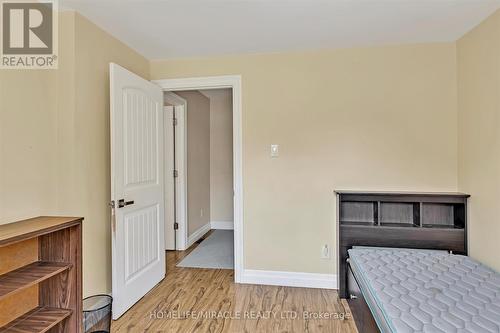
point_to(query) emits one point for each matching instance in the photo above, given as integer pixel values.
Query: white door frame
(218, 82)
(181, 161)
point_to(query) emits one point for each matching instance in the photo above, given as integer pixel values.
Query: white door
(169, 179)
(137, 187)
(175, 187)
(181, 179)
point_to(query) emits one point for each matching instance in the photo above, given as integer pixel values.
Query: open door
(137, 187)
(175, 180)
(170, 175)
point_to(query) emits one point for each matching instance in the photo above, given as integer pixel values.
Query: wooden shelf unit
(40, 275)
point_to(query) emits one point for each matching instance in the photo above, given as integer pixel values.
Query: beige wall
(66, 106)
(54, 139)
(376, 118)
(198, 159)
(28, 135)
(221, 154)
(478, 55)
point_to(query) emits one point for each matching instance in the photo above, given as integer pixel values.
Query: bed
(383, 235)
(412, 290)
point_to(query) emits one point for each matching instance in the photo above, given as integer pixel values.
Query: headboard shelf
(399, 219)
(402, 209)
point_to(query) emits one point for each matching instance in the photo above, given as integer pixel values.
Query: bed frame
(395, 219)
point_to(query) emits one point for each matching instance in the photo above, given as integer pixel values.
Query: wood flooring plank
(172, 304)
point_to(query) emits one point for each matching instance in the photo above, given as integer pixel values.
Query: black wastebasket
(97, 314)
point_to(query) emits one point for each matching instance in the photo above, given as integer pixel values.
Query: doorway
(201, 177)
(177, 86)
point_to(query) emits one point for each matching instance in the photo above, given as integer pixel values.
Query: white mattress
(427, 291)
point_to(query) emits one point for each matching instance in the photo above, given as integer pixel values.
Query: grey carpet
(216, 251)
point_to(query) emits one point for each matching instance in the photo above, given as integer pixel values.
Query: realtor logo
(29, 39)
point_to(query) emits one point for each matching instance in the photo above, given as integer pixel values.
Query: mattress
(427, 291)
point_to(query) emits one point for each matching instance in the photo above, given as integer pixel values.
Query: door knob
(122, 203)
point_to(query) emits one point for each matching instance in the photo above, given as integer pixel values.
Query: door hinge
(113, 217)
(176, 225)
(176, 173)
(174, 121)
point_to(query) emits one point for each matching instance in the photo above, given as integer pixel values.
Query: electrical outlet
(201, 212)
(325, 252)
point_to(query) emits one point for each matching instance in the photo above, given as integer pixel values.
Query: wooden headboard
(399, 219)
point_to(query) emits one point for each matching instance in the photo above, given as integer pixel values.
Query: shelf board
(29, 275)
(441, 226)
(358, 223)
(21, 230)
(404, 193)
(399, 225)
(38, 320)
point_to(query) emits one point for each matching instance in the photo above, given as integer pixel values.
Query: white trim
(172, 98)
(222, 225)
(199, 83)
(233, 82)
(290, 279)
(198, 234)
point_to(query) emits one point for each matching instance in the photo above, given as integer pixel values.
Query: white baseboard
(290, 279)
(223, 225)
(198, 234)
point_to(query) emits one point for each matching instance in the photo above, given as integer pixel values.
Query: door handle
(122, 203)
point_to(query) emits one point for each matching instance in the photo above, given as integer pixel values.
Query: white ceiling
(185, 28)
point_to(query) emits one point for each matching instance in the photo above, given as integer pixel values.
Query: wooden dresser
(41, 275)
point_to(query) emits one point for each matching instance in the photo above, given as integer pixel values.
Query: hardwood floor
(207, 300)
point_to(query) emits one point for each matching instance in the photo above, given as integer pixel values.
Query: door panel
(137, 178)
(140, 133)
(141, 229)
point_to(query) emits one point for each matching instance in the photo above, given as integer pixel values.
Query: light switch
(275, 150)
